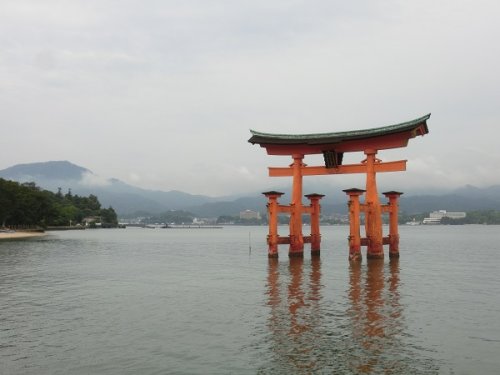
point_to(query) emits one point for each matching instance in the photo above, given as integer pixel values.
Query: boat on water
(413, 222)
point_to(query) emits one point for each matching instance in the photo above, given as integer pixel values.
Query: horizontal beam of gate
(390, 166)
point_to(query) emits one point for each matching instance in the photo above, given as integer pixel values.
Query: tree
(7, 200)
(108, 217)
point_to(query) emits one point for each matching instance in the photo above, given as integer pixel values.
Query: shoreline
(20, 235)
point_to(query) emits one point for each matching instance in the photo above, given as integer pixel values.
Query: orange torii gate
(333, 146)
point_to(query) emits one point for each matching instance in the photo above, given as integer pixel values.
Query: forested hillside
(28, 205)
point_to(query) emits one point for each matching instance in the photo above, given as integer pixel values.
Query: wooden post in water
(373, 216)
(272, 212)
(296, 237)
(315, 209)
(354, 223)
(393, 197)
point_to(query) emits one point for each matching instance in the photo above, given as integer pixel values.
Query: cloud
(134, 177)
(93, 180)
(165, 85)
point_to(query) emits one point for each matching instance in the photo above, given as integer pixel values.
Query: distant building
(87, 221)
(436, 216)
(336, 218)
(249, 214)
(205, 221)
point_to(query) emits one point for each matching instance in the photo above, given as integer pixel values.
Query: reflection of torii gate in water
(333, 146)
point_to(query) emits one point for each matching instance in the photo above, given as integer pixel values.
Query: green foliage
(475, 217)
(26, 204)
(108, 217)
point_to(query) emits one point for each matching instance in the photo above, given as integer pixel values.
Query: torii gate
(333, 146)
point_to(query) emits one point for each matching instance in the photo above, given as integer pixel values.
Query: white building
(436, 216)
(249, 214)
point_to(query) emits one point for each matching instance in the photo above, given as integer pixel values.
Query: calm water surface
(201, 301)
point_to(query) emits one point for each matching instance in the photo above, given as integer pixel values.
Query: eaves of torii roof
(385, 137)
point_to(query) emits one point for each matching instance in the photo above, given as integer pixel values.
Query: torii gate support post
(296, 237)
(315, 216)
(354, 224)
(393, 197)
(272, 212)
(373, 217)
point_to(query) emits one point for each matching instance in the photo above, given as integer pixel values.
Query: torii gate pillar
(296, 236)
(273, 210)
(373, 216)
(296, 239)
(315, 210)
(354, 232)
(393, 208)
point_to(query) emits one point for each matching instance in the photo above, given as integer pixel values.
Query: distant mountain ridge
(124, 198)
(56, 170)
(128, 199)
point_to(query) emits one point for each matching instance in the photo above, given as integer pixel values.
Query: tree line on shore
(475, 217)
(26, 204)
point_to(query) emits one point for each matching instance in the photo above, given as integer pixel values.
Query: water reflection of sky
(362, 332)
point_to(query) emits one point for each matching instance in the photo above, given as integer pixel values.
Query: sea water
(209, 301)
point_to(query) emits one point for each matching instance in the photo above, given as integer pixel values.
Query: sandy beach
(20, 235)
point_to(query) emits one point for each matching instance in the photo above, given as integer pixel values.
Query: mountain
(52, 170)
(450, 202)
(124, 198)
(128, 199)
(491, 193)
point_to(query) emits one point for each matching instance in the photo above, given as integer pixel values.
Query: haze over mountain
(128, 199)
(122, 197)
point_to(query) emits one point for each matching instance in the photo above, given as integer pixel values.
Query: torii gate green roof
(338, 137)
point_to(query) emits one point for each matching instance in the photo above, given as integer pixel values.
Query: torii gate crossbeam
(392, 166)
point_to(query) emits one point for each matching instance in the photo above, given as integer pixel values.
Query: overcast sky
(162, 94)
